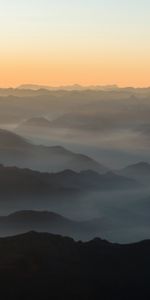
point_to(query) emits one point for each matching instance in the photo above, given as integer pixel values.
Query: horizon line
(34, 86)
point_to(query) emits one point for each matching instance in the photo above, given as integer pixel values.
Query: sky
(64, 42)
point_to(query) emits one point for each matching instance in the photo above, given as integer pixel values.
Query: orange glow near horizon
(65, 42)
(54, 67)
(55, 73)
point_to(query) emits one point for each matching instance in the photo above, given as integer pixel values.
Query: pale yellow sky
(67, 42)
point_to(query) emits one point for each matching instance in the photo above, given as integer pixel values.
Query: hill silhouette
(139, 171)
(46, 221)
(43, 266)
(26, 180)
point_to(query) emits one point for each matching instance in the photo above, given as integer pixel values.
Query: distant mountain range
(18, 151)
(28, 181)
(74, 87)
(43, 266)
(139, 171)
(15, 150)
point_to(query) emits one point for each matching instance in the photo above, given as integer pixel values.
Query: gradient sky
(75, 41)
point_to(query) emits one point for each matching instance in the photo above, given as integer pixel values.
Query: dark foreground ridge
(44, 266)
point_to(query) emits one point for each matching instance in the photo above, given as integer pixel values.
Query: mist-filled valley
(111, 125)
(74, 150)
(80, 157)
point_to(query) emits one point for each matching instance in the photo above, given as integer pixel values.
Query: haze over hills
(14, 150)
(45, 221)
(74, 150)
(108, 200)
(139, 171)
(95, 122)
(27, 180)
(36, 264)
(101, 133)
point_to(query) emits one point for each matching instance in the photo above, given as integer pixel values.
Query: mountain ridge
(15, 150)
(67, 179)
(139, 170)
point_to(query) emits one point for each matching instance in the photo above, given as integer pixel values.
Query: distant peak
(141, 164)
(67, 172)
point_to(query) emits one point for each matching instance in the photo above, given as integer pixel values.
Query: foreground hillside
(44, 266)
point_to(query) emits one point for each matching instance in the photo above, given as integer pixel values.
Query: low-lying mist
(123, 216)
(79, 143)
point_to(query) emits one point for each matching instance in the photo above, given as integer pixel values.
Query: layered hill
(139, 171)
(46, 221)
(26, 180)
(15, 150)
